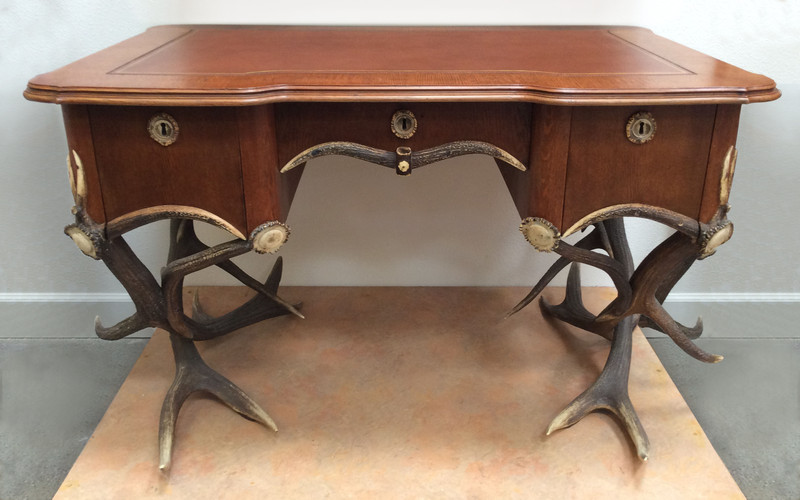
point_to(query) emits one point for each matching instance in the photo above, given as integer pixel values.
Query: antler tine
(545, 280)
(692, 333)
(191, 244)
(210, 256)
(127, 326)
(247, 280)
(198, 313)
(656, 312)
(204, 326)
(572, 310)
(254, 310)
(593, 240)
(77, 179)
(192, 374)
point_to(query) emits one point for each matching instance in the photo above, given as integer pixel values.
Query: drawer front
(303, 125)
(605, 168)
(201, 169)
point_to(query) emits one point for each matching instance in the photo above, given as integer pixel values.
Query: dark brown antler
(187, 243)
(393, 159)
(159, 306)
(610, 392)
(639, 299)
(192, 375)
(595, 239)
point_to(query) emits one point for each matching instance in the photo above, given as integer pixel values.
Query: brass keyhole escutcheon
(404, 124)
(163, 129)
(641, 127)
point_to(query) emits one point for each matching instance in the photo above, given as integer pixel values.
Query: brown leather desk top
(241, 65)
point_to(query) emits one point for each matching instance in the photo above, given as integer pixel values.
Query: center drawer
(303, 125)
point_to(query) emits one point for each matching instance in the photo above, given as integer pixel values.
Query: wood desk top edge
(668, 73)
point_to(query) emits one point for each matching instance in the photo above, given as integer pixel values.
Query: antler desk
(587, 125)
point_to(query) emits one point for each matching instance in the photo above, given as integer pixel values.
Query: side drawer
(201, 169)
(605, 168)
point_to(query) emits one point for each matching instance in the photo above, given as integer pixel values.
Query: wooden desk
(588, 125)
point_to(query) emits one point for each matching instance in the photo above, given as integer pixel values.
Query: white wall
(355, 224)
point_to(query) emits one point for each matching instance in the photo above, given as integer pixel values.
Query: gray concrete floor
(55, 389)
(749, 407)
(53, 393)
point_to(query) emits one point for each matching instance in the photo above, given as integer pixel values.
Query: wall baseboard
(734, 297)
(674, 297)
(64, 297)
(726, 315)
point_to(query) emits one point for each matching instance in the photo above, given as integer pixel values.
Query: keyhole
(644, 129)
(163, 129)
(641, 127)
(404, 124)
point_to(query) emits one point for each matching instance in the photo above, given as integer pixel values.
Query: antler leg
(610, 392)
(639, 301)
(187, 254)
(192, 375)
(162, 305)
(660, 295)
(654, 277)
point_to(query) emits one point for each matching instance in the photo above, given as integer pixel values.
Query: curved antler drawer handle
(403, 160)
